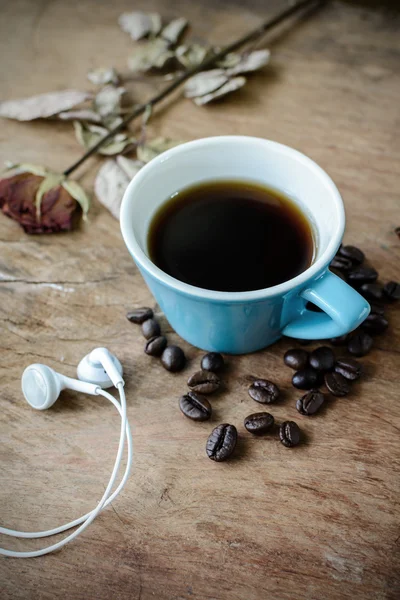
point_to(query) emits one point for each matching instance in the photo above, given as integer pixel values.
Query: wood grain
(318, 521)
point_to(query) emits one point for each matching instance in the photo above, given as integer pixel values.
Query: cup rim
(190, 290)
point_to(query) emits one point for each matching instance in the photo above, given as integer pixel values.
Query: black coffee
(230, 236)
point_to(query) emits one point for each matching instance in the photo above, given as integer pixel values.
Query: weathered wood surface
(319, 521)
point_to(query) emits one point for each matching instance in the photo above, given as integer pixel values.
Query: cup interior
(234, 157)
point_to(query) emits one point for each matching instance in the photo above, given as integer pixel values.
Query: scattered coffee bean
(377, 309)
(173, 358)
(156, 345)
(362, 275)
(221, 442)
(322, 359)
(310, 403)
(289, 434)
(337, 384)
(264, 391)
(313, 307)
(392, 290)
(195, 406)
(375, 324)
(204, 382)
(139, 315)
(372, 292)
(150, 328)
(397, 231)
(360, 343)
(349, 368)
(295, 358)
(306, 379)
(352, 253)
(341, 263)
(340, 341)
(259, 423)
(212, 361)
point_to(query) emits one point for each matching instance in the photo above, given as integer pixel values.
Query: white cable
(49, 532)
(105, 500)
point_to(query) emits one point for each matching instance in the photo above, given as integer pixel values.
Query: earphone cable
(85, 520)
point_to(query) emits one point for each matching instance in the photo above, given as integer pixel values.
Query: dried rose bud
(58, 210)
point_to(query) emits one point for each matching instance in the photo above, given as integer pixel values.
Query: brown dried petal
(17, 200)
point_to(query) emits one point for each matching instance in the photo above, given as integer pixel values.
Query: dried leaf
(78, 193)
(42, 106)
(103, 75)
(80, 115)
(50, 181)
(231, 86)
(109, 186)
(147, 152)
(251, 62)
(129, 166)
(27, 168)
(230, 60)
(17, 200)
(192, 55)
(88, 135)
(108, 100)
(153, 54)
(174, 30)
(205, 82)
(139, 24)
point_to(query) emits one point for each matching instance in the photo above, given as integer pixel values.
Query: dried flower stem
(206, 64)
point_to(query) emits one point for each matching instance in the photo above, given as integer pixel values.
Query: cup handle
(344, 310)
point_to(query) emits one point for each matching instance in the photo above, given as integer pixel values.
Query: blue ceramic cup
(242, 322)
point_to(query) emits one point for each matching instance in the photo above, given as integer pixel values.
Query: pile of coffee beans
(321, 367)
(318, 373)
(349, 263)
(172, 357)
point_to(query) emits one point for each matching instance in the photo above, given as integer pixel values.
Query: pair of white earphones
(41, 387)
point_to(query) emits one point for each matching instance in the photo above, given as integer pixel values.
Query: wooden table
(316, 522)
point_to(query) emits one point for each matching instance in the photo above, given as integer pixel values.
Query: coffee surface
(230, 236)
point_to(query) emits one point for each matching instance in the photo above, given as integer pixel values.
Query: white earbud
(101, 368)
(41, 387)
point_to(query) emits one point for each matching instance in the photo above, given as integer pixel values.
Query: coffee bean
(259, 423)
(392, 290)
(372, 292)
(322, 359)
(352, 253)
(397, 231)
(340, 341)
(264, 391)
(306, 379)
(362, 275)
(313, 307)
(349, 368)
(360, 343)
(150, 328)
(341, 264)
(221, 442)
(337, 384)
(295, 358)
(289, 434)
(310, 403)
(212, 361)
(156, 345)
(204, 382)
(139, 315)
(195, 406)
(377, 309)
(173, 358)
(375, 324)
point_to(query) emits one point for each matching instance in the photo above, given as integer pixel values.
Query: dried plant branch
(206, 64)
